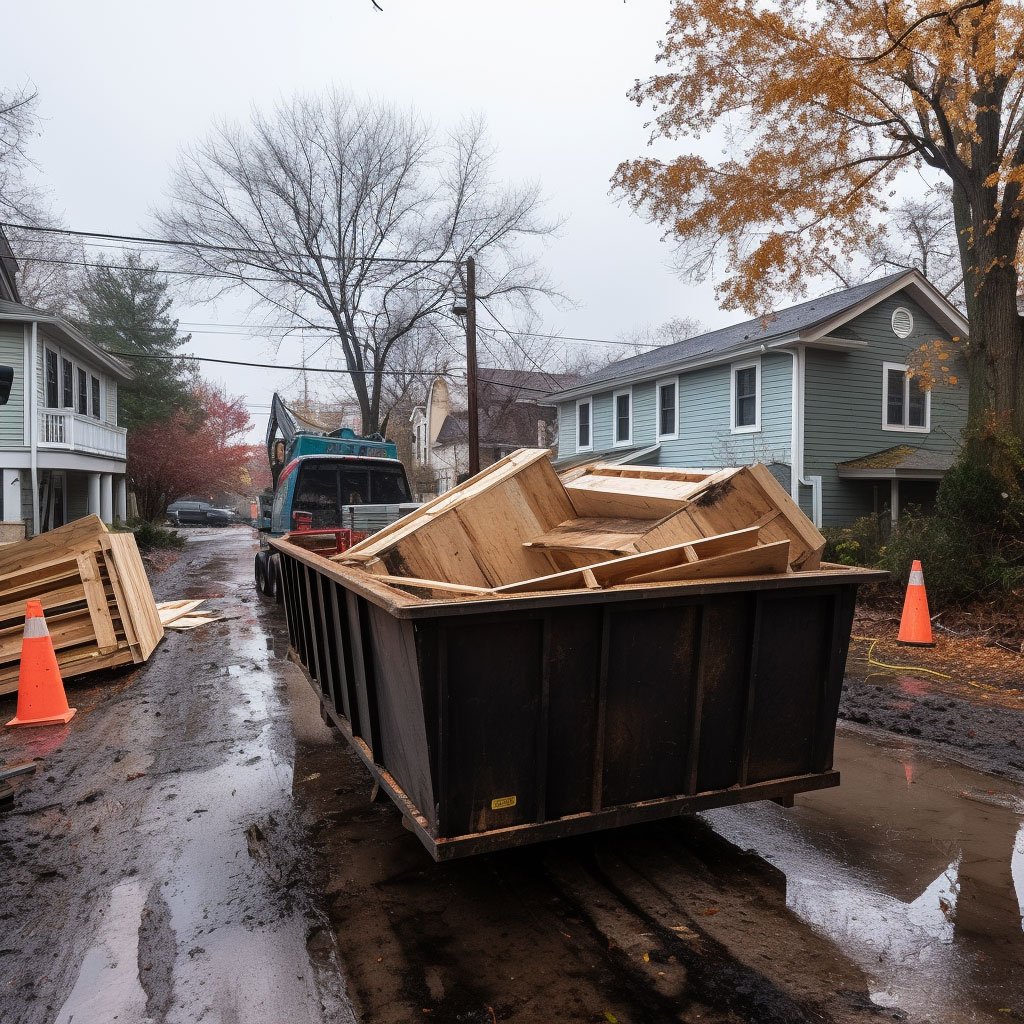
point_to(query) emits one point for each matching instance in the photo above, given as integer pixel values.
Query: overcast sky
(124, 84)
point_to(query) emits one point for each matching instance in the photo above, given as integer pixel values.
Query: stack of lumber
(94, 590)
(518, 528)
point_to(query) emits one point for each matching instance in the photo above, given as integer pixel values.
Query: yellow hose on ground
(899, 668)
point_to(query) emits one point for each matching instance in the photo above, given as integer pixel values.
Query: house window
(67, 384)
(622, 403)
(52, 396)
(584, 441)
(668, 409)
(81, 406)
(746, 397)
(905, 403)
(94, 397)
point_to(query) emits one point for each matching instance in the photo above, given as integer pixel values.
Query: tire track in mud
(646, 925)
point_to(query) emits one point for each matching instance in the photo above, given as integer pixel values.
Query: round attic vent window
(902, 322)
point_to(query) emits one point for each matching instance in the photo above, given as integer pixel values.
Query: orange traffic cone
(41, 697)
(916, 624)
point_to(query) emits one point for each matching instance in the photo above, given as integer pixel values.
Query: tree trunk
(1003, 335)
(977, 385)
(995, 354)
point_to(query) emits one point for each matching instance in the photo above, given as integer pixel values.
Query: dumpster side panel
(491, 713)
(402, 746)
(725, 658)
(789, 684)
(573, 663)
(650, 688)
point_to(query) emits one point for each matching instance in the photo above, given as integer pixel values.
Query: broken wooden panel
(474, 534)
(764, 560)
(94, 590)
(737, 498)
(677, 557)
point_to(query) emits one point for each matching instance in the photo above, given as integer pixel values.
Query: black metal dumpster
(497, 722)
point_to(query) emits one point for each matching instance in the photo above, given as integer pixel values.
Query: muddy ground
(197, 845)
(977, 725)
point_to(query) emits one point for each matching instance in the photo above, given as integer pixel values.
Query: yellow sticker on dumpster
(501, 802)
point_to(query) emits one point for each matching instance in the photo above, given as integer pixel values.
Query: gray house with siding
(819, 392)
(62, 454)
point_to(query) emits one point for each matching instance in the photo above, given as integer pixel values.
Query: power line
(212, 275)
(179, 243)
(449, 374)
(518, 344)
(278, 366)
(273, 280)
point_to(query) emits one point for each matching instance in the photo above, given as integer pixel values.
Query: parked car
(189, 513)
(222, 516)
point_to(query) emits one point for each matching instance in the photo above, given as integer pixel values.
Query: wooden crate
(95, 593)
(518, 527)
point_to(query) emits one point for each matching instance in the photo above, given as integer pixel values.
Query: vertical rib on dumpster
(697, 708)
(342, 656)
(600, 725)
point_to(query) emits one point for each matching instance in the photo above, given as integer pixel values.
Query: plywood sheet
(474, 534)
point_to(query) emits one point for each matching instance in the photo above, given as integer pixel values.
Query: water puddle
(915, 868)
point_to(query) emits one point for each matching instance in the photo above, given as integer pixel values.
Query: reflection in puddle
(914, 868)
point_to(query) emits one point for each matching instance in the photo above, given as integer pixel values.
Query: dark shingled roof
(530, 383)
(780, 324)
(905, 457)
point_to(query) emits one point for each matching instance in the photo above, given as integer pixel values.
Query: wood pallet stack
(519, 528)
(95, 593)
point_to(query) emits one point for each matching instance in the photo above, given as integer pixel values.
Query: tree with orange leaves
(820, 109)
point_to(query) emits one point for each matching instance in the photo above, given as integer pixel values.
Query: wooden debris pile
(95, 593)
(184, 615)
(519, 528)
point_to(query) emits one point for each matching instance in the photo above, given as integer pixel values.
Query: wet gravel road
(196, 846)
(154, 864)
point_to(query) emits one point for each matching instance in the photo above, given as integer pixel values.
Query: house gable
(843, 396)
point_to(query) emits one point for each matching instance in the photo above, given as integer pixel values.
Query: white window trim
(734, 368)
(623, 442)
(576, 437)
(63, 354)
(903, 428)
(672, 382)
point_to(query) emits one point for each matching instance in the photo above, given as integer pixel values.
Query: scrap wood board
(94, 590)
(721, 553)
(182, 614)
(475, 533)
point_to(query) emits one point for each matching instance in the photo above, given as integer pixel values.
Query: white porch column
(121, 498)
(894, 499)
(94, 494)
(12, 495)
(107, 497)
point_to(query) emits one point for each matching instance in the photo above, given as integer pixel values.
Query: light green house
(62, 454)
(820, 392)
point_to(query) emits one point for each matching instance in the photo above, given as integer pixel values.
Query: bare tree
(642, 339)
(19, 198)
(357, 214)
(48, 263)
(919, 235)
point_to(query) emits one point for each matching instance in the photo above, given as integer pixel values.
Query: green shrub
(150, 536)
(856, 544)
(970, 493)
(955, 564)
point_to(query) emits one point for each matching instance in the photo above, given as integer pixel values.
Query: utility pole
(471, 378)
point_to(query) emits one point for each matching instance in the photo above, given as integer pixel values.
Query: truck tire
(274, 588)
(261, 575)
